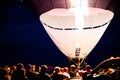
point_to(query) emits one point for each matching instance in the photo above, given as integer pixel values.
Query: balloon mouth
(60, 24)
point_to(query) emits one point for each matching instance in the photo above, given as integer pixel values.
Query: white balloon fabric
(60, 24)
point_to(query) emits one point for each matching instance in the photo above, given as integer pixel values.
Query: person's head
(72, 67)
(3, 71)
(7, 68)
(44, 68)
(57, 69)
(38, 68)
(33, 67)
(14, 67)
(66, 69)
(20, 65)
(88, 67)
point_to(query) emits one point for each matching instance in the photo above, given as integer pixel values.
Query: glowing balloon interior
(72, 39)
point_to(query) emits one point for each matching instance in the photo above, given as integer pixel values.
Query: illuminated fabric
(60, 25)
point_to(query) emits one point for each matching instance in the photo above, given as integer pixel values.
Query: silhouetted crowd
(42, 72)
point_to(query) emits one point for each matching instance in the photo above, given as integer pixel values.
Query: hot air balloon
(71, 39)
(76, 30)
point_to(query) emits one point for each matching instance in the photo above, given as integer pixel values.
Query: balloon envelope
(74, 39)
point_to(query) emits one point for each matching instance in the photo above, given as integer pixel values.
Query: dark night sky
(23, 39)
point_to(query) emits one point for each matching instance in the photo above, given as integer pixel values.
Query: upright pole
(78, 62)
